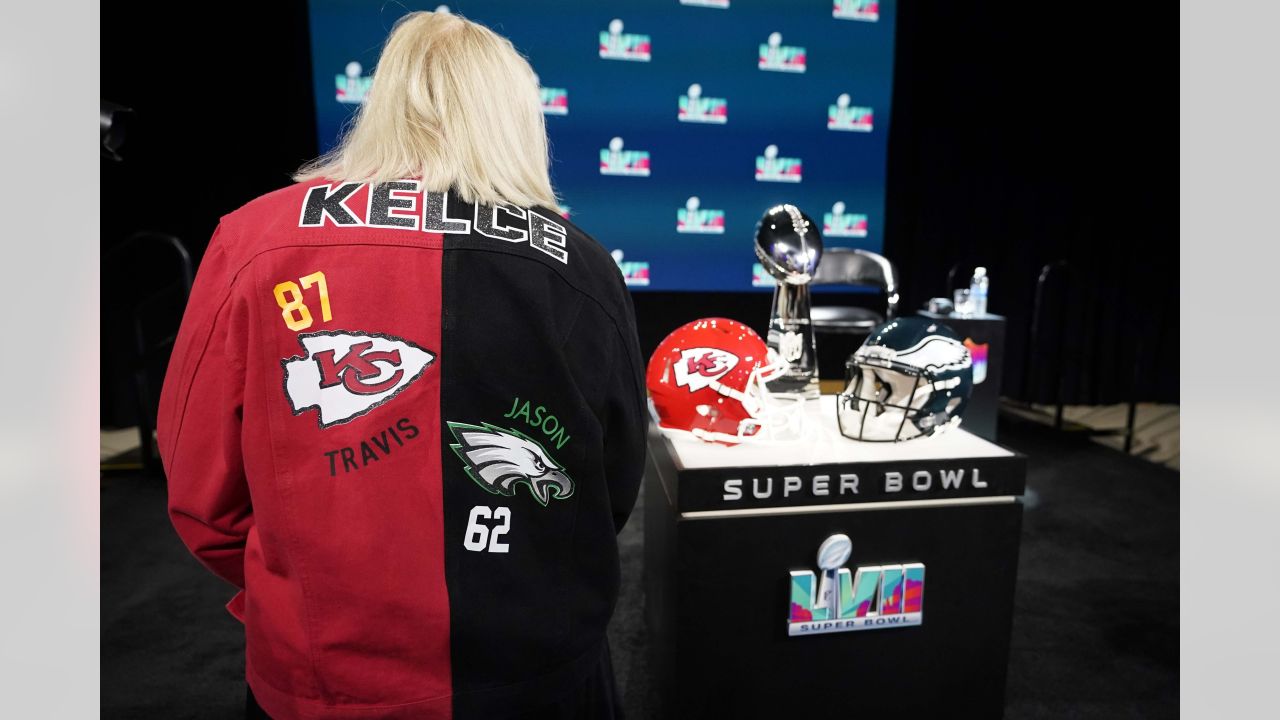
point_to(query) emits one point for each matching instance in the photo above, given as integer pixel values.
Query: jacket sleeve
(198, 422)
(627, 417)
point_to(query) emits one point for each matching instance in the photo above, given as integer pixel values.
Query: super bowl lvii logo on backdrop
(616, 45)
(555, 101)
(866, 10)
(692, 218)
(693, 107)
(634, 272)
(776, 57)
(839, 223)
(849, 118)
(616, 161)
(771, 168)
(353, 85)
(874, 598)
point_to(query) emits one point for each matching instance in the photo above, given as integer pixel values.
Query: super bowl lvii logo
(693, 107)
(866, 10)
(555, 101)
(616, 161)
(634, 272)
(771, 168)
(873, 598)
(839, 223)
(849, 118)
(776, 57)
(693, 218)
(353, 85)
(617, 45)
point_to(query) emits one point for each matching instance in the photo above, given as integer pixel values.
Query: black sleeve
(625, 418)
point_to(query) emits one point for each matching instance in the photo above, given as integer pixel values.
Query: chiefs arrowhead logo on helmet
(700, 367)
(345, 374)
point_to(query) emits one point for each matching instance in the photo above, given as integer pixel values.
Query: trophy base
(804, 387)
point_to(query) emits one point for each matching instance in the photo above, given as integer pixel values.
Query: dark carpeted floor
(1095, 633)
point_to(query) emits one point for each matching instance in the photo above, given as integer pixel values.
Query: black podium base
(735, 636)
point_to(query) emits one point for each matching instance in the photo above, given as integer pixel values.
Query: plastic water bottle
(978, 291)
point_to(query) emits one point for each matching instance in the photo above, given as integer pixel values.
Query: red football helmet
(708, 378)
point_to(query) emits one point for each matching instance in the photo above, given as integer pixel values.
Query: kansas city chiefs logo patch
(499, 460)
(697, 368)
(344, 374)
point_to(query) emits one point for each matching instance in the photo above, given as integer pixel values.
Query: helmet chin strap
(890, 425)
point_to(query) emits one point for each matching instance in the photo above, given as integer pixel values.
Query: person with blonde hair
(404, 415)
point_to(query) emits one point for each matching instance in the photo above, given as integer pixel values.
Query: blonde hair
(452, 103)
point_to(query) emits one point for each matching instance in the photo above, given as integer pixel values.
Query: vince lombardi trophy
(832, 556)
(789, 247)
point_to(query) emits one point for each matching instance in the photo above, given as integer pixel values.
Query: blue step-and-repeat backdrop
(675, 124)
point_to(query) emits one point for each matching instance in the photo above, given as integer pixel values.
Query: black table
(925, 584)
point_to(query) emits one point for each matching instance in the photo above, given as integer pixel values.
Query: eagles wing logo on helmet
(498, 460)
(934, 352)
(699, 367)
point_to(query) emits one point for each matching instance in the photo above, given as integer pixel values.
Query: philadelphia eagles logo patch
(499, 460)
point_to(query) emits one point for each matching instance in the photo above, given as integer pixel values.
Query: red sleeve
(198, 423)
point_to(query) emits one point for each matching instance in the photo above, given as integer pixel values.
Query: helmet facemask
(883, 401)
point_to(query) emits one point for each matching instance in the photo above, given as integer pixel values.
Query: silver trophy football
(789, 247)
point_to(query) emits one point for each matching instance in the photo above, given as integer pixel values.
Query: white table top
(823, 444)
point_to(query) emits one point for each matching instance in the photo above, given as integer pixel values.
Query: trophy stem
(829, 593)
(791, 336)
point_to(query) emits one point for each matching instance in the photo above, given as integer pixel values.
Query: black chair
(859, 268)
(847, 325)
